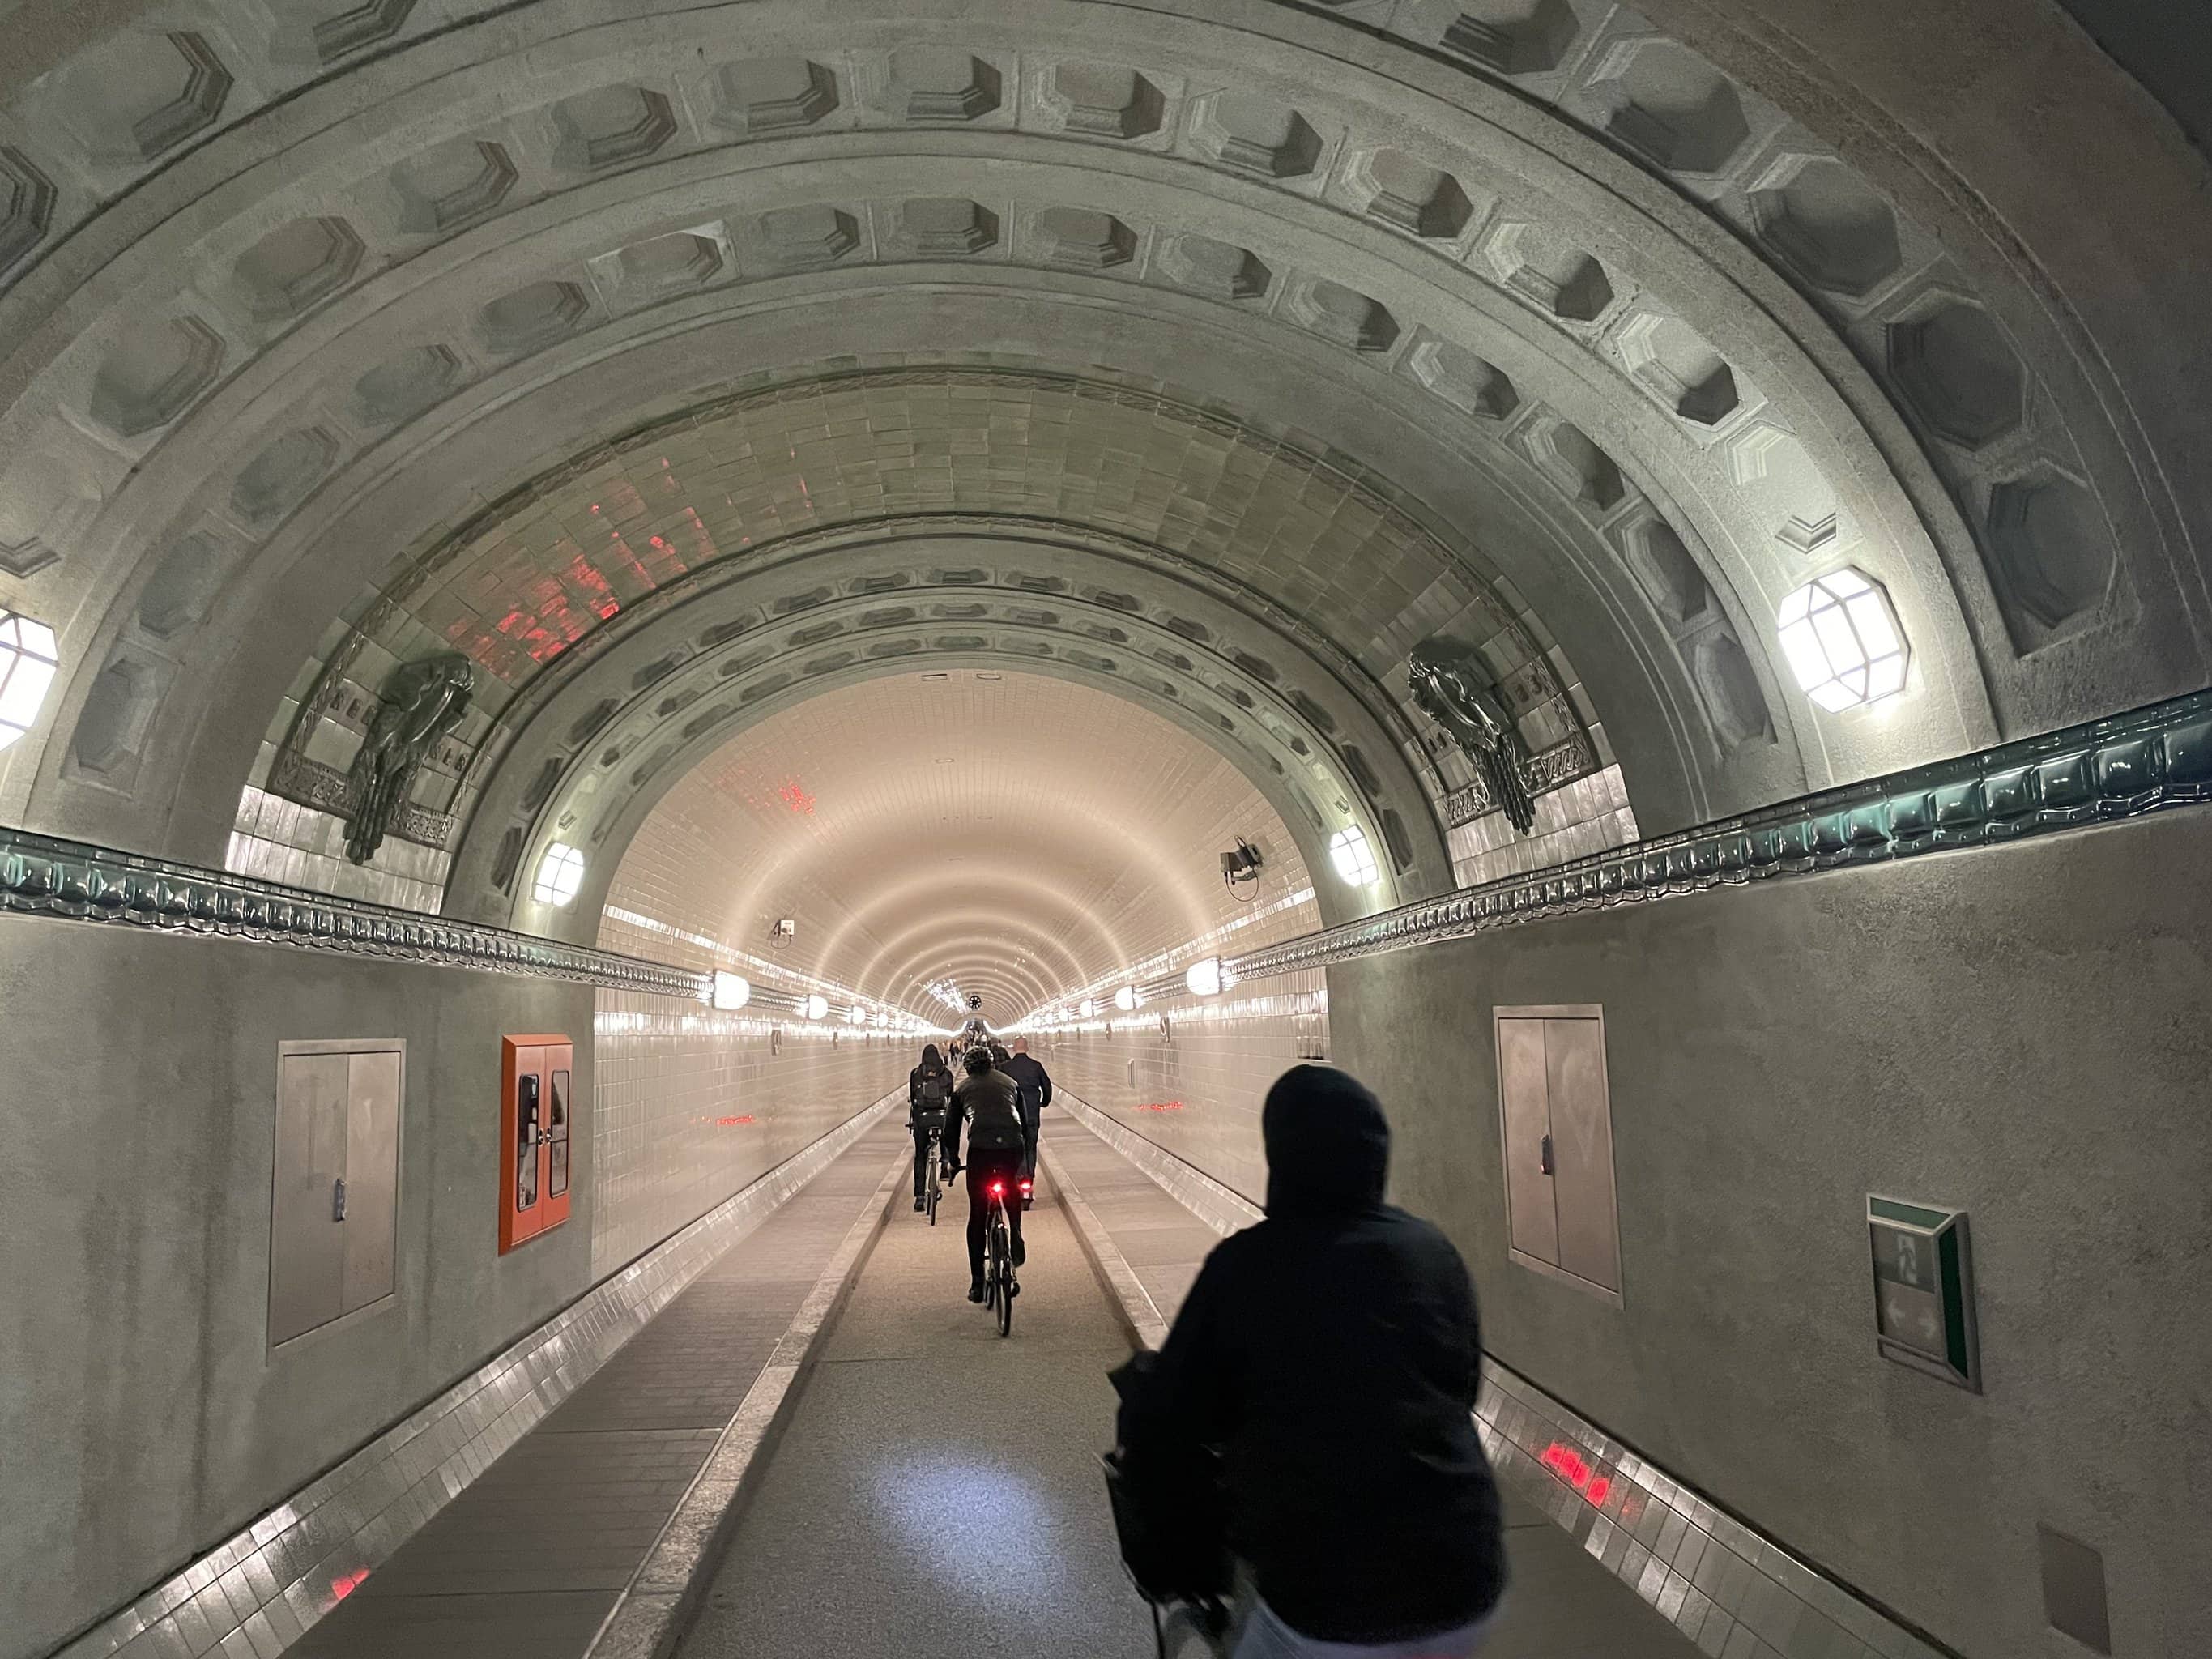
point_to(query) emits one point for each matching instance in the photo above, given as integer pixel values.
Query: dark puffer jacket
(1331, 1353)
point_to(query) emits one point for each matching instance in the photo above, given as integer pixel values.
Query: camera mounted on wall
(1241, 867)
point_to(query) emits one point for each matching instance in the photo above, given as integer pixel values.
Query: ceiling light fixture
(1841, 637)
(1126, 999)
(1355, 864)
(732, 991)
(560, 875)
(817, 1007)
(1203, 977)
(28, 660)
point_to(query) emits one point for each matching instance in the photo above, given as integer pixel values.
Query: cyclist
(928, 1093)
(1331, 1355)
(1030, 1077)
(989, 1098)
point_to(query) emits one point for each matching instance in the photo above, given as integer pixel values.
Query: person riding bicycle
(929, 1096)
(1329, 1357)
(989, 1098)
(1035, 1082)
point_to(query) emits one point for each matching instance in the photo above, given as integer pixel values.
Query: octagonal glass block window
(1841, 637)
(1354, 860)
(29, 660)
(560, 875)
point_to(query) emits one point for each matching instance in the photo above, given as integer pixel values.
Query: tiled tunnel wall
(689, 1105)
(1192, 1075)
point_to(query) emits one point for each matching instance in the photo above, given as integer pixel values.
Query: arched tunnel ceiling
(1521, 322)
(1013, 836)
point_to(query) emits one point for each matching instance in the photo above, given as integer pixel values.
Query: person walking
(1330, 1356)
(929, 1097)
(1035, 1082)
(988, 1099)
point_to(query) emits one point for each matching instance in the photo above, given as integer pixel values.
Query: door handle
(337, 1199)
(1547, 1156)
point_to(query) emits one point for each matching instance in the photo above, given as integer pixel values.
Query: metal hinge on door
(337, 1199)
(1547, 1156)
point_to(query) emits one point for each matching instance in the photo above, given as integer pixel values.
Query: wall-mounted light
(1841, 637)
(29, 660)
(856, 1015)
(817, 1007)
(732, 991)
(560, 875)
(1203, 977)
(1090, 1008)
(1126, 999)
(1348, 851)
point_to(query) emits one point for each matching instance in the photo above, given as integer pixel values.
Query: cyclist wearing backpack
(929, 1094)
(989, 1098)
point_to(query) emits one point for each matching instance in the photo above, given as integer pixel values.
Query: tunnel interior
(696, 548)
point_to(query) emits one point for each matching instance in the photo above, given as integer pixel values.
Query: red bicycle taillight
(1028, 1187)
(997, 1189)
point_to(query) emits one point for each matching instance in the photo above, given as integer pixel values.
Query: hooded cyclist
(1331, 1355)
(988, 1100)
(929, 1097)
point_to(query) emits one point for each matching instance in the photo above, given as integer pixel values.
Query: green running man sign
(1923, 1290)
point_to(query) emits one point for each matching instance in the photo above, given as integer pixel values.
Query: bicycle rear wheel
(1003, 1270)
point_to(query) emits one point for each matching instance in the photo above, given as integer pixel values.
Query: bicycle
(998, 1286)
(934, 1190)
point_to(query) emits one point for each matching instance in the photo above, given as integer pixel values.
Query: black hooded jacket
(932, 1066)
(1332, 1354)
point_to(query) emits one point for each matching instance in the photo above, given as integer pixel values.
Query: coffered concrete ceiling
(1009, 835)
(678, 364)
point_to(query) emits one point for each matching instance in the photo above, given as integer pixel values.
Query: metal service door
(1556, 1122)
(372, 1175)
(1582, 1150)
(1532, 1213)
(306, 1235)
(334, 1208)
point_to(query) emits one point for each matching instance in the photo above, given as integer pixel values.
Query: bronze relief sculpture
(422, 702)
(1454, 687)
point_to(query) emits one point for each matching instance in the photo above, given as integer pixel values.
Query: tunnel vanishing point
(578, 578)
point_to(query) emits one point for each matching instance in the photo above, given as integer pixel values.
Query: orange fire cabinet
(537, 1083)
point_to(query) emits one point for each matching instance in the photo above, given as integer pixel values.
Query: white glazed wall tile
(671, 1082)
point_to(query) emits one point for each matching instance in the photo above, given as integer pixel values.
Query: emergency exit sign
(1923, 1290)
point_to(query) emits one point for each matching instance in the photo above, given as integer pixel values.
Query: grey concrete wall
(144, 1415)
(2020, 1033)
(141, 1415)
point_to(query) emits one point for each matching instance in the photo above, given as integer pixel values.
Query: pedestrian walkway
(937, 1494)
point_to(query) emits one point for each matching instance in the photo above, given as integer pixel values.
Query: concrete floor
(937, 1493)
